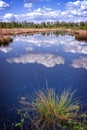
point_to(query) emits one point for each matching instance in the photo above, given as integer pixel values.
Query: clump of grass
(81, 37)
(4, 41)
(52, 111)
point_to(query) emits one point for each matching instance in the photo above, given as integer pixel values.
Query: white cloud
(77, 9)
(28, 5)
(71, 5)
(38, 15)
(48, 60)
(72, 12)
(80, 63)
(9, 17)
(3, 5)
(5, 49)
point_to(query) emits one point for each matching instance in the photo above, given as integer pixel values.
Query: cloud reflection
(69, 43)
(76, 47)
(5, 49)
(80, 63)
(48, 60)
(29, 49)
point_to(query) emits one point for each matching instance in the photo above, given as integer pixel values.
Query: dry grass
(4, 41)
(79, 34)
(81, 37)
(16, 31)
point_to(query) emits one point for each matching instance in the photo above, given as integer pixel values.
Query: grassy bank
(4, 41)
(79, 34)
(16, 31)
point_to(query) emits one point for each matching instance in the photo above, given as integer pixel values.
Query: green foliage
(20, 124)
(78, 128)
(64, 127)
(57, 24)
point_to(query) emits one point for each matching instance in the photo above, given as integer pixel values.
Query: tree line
(25, 24)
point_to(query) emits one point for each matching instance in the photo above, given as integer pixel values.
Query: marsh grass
(4, 41)
(81, 37)
(55, 110)
(50, 111)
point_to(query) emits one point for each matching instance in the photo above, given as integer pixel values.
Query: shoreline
(14, 31)
(8, 32)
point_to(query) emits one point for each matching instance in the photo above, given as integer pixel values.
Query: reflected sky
(69, 43)
(5, 49)
(48, 60)
(80, 63)
(48, 50)
(29, 49)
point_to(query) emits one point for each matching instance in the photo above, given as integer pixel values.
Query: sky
(43, 10)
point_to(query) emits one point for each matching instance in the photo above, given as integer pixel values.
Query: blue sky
(43, 10)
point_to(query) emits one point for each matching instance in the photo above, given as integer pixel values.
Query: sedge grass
(4, 41)
(53, 111)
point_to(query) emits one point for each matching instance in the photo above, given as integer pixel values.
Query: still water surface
(31, 61)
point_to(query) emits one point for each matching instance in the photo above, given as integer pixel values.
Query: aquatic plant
(52, 111)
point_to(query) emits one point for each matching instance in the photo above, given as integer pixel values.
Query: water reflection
(75, 47)
(67, 41)
(48, 60)
(34, 59)
(5, 49)
(5, 41)
(80, 63)
(4, 44)
(29, 49)
(61, 32)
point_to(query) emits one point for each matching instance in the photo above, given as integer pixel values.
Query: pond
(31, 62)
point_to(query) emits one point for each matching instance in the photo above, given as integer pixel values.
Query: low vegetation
(4, 41)
(49, 111)
(25, 24)
(81, 37)
(14, 28)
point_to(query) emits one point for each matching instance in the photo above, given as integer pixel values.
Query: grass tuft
(53, 111)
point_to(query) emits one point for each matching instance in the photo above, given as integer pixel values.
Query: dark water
(31, 61)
